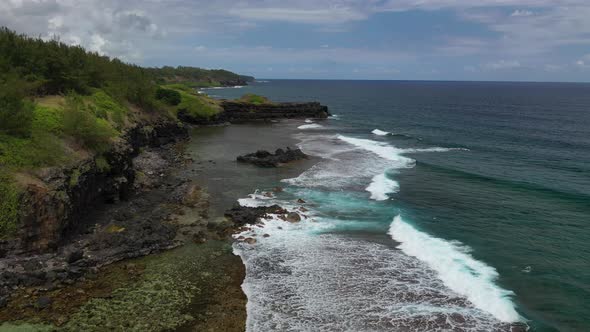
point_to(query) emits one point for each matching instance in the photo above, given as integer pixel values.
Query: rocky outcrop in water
(263, 158)
(244, 215)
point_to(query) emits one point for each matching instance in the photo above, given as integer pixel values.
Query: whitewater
(317, 275)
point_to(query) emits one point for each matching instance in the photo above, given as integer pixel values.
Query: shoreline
(61, 304)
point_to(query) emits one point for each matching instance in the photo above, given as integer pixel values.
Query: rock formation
(263, 158)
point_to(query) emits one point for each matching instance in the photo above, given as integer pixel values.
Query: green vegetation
(198, 77)
(170, 97)
(59, 103)
(16, 113)
(79, 122)
(8, 206)
(197, 106)
(193, 103)
(105, 107)
(254, 99)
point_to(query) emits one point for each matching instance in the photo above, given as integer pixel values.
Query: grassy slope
(53, 143)
(198, 105)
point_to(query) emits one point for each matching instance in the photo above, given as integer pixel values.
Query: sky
(506, 40)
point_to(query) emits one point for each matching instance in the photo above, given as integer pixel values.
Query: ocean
(429, 206)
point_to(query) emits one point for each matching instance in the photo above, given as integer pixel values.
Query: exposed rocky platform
(239, 111)
(263, 158)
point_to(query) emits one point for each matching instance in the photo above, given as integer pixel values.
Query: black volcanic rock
(263, 158)
(243, 215)
(240, 112)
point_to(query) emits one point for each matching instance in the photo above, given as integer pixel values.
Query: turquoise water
(498, 212)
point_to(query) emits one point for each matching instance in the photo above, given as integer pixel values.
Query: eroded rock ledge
(57, 198)
(263, 158)
(237, 111)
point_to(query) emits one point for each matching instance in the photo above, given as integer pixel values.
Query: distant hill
(199, 76)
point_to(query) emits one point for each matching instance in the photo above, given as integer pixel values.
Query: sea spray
(310, 126)
(380, 186)
(457, 269)
(380, 132)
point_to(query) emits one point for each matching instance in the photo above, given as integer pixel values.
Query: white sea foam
(311, 126)
(380, 132)
(380, 186)
(308, 121)
(457, 268)
(434, 149)
(381, 149)
(302, 279)
(257, 199)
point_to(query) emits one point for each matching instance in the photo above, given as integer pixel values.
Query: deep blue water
(518, 196)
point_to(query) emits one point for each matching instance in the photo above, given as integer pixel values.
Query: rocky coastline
(240, 112)
(77, 221)
(263, 158)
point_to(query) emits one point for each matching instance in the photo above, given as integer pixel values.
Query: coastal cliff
(59, 197)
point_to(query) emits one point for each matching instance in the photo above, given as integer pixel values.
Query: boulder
(263, 158)
(293, 217)
(242, 215)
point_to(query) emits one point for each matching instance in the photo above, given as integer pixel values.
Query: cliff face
(236, 112)
(61, 197)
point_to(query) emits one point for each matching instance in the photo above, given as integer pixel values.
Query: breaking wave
(311, 126)
(457, 269)
(380, 186)
(380, 132)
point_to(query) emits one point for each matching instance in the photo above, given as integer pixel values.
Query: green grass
(197, 105)
(48, 119)
(40, 150)
(254, 99)
(179, 87)
(107, 108)
(190, 86)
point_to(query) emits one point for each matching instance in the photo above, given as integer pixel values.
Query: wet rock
(263, 158)
(278, 189)
(266, 235)
(242, 215)
(293, 217)
(250, 240)
(300, 201)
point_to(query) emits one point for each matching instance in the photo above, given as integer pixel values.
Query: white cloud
(502, 64)
(135, 29)
(521, 13)
(329, 15)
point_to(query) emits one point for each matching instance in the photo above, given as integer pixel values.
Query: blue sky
(531, 40)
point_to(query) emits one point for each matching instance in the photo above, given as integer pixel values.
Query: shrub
(107, 108)
(170, 97)
(9, 201)
(16, 113)
(47, 119)
(80, 123)
(42, 149)
(198, 106)
(254, 99)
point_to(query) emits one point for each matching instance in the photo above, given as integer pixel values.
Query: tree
(16, 113)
